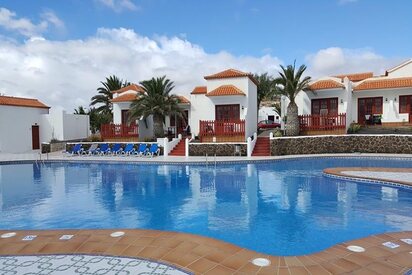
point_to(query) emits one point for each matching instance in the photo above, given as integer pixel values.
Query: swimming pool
(284, 207)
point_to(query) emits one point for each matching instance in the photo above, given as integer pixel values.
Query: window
(325, 106)
(227, 112)
(405, 104)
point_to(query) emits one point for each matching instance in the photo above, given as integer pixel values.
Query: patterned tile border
(337, 173)
(85, 264)
(202, 255)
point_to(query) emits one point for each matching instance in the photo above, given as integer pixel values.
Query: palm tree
(80, 111)
(290, 83)
(156, 101)
(105, 94)
(265, 87)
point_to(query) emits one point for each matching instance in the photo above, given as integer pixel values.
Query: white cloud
(119, 5)
(67, 73)
(335, 60)
(25, 27)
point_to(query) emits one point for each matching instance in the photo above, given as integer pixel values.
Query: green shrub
(277, 133)
(94, 138)
(354, 128)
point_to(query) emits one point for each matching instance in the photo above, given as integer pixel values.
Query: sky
(59, 51)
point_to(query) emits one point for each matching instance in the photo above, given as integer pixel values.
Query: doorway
(35, 137)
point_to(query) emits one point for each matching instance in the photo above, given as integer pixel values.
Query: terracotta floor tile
(283, 271)
(93, 247)
(348, 266)
(298, 270)
(132, 250)
(186, 260)
(186, 246)
(360, 259)
(363, 271)
(282, 262)
(202, 265)
(144, 241)
(221, 270)
(402, 259)
(11, 248)
(383, 268)
(60, 247)
(317, 270)
(249, 268)
(203, 250)
(116, 249)
(218, 256)
(334, 269)
(377, 252)
(292, 261)
(32, 248)
(235, 262)
(305, 260)
(269, 270)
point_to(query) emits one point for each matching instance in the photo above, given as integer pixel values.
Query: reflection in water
(283, 208)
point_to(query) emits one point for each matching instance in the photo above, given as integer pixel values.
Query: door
(227, 112)
(405, 106)
(125, 117)
(35, 137)
(369, 107)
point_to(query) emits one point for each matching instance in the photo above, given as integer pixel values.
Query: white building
(333, 103)
(230, 96)
(25, 123)
(223, 110)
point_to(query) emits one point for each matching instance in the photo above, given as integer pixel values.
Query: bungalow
(27, 122)
(333, 103)
(222, 110)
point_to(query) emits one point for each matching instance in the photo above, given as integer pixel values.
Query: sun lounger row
(116, 150)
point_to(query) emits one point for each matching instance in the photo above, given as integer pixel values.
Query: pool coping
(338, 172)
(204, 255)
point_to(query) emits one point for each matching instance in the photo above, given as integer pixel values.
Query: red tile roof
(326, 84)
(226, 90)
(183, 99)
(125, 98)
(231, 73)
(384, 83)
(133, 87)
(22, 102)
(199, 90)
(356, 77)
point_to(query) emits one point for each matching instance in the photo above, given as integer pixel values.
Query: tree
(80, 111)
(97, 119)
(290, 83)
(265, 87)
(156, 101)
(105, 94)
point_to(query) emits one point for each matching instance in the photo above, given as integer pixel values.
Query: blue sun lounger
(129, 149)
(77, 149)
(94, 149)
(104, 149)
(154, 149)
(116, 149)
(141, 150)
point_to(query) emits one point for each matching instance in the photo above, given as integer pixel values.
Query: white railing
(251, 144)
(187, 141)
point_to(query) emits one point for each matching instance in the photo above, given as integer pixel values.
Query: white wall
(390, 112)
(252, 109)
(405, 71)
(264, 112)
(15, 127)
(304, 99)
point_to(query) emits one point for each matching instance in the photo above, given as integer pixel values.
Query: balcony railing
(119, 131)
(322, 122)
(221, 129)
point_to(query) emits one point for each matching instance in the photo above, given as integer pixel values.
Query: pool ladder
(207, 163)
(41, 160)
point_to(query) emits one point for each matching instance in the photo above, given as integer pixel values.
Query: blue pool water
(283, 207)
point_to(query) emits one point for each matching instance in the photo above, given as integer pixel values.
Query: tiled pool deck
(203, 255)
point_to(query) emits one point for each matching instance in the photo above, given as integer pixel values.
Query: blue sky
(46, 41)
(290, 29)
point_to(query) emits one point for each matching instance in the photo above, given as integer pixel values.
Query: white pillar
(186, 147)
(165, 147)
(249, 147)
